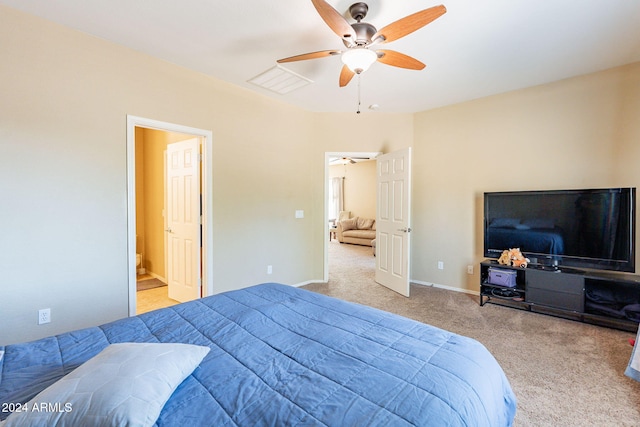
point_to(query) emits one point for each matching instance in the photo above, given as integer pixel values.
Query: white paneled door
(393, 220)
(183, 220)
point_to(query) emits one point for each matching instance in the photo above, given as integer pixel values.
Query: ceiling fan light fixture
(359, 59)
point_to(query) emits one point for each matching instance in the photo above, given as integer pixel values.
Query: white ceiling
(478, 48)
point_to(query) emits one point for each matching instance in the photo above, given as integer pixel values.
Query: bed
(279, 355)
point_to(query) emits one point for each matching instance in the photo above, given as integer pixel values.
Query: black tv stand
(588, 296)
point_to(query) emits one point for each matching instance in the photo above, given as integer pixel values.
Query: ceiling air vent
(280, 80)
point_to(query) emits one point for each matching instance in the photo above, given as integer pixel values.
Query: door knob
(405, 230)
(168, 230)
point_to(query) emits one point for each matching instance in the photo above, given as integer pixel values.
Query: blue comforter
(285, 356)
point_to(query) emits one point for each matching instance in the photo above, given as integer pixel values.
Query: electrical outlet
(440, 265)
(44, 316)
(469, 269)
(269, 269)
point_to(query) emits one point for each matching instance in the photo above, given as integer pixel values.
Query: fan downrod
(364, 31)
(358, 11)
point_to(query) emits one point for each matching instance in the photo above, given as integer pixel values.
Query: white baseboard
(308, 282)
(417, 282)
(449, 288)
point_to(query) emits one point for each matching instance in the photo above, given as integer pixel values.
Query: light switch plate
(299, 214)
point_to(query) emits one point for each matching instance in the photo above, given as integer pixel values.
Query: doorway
(351, 168)
(135, 125)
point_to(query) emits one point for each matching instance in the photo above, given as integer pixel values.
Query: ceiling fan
(347, 160)
(359, 37)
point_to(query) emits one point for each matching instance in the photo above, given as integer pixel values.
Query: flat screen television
(592, 228)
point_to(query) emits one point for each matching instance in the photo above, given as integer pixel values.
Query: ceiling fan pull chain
(358, 112)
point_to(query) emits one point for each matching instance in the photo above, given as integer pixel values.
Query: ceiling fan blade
(409, 24)
(397, 59)
(334, 20)
(346, 160)
(345, 76)
(311, 55)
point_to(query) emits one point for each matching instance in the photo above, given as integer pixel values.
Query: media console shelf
(606, 299)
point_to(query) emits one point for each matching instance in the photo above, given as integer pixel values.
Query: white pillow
(125, 384)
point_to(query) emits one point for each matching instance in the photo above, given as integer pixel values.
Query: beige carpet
(564, 373)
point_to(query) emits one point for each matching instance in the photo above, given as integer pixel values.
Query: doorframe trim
(207, 200)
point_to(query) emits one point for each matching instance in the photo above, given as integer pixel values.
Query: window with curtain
(336, 198)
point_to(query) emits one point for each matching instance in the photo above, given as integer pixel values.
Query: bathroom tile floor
(153, 299)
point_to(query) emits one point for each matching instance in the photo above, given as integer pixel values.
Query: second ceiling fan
(359, 37)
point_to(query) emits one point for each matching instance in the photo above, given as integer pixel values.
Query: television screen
(580, 228)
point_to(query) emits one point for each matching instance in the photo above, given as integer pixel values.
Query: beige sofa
(358, 231)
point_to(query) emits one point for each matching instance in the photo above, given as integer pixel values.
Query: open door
(183, 220)
(206, 188)
(393, 220)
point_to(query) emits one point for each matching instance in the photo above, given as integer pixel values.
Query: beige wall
(140, 205)
(359, 187)
(577, 133)
(65, 100)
